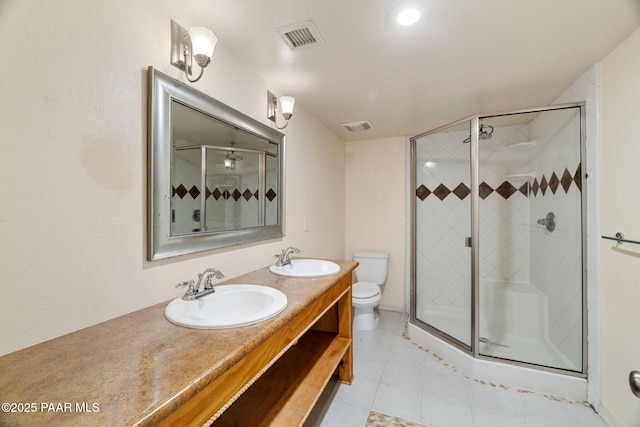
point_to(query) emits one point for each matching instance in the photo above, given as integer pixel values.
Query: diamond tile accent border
(422, 192)
(535, 187)
(461, 191)
(484, 190)
(554, 182)
(566, 180)
(543, 184)
(441, 192)
(506, 189)
(524, 189)
(180, 190)
(235, 194)
(270, 194)
(577, 177)
(194, 192)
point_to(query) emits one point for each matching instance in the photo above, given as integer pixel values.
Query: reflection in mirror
(216, 174)
(239, 184)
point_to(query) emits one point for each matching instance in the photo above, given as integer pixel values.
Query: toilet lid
(365, 290)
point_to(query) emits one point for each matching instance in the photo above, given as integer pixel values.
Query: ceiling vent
(303, 34)
(358, 126)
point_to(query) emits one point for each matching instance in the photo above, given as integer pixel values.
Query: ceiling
(463, 57)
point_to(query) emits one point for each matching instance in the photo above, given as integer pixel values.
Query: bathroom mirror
(215, 174)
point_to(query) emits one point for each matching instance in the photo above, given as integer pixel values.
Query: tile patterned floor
(398, 384)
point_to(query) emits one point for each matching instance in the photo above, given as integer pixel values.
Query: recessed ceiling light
(408, 17)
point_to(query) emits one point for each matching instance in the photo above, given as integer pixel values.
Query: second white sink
(230, 306)
(306, 268)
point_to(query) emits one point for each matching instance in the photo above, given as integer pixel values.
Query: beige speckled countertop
(138, 368)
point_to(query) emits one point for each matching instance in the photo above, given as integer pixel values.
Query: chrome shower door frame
(473, 350)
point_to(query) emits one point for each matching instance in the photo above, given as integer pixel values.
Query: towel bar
(620, 239)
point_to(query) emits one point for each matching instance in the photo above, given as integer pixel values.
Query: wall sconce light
(196, 44)
(286, 108)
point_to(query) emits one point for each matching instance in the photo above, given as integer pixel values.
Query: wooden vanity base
(278, 383)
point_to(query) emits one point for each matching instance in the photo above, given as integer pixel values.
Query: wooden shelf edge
(287, 392)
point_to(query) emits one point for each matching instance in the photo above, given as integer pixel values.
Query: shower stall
(498, 238)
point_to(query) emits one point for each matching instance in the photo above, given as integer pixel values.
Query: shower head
(486, 131)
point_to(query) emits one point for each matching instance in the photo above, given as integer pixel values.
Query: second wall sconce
(198, 43)
(286, 108)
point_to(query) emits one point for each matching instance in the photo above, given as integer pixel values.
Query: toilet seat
(362, 290)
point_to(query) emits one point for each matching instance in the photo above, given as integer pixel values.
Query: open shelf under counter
(287, 392)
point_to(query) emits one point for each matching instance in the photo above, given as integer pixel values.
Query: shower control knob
(549, 222)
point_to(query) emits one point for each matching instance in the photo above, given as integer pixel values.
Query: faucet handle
(207, 282)
(184, 284)
(218, 274)
(207, 274)
(191, 286)
(280, 258)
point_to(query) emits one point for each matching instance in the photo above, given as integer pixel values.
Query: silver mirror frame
(162, 90)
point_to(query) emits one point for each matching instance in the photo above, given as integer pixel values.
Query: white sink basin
(306, 268)
(230, 306)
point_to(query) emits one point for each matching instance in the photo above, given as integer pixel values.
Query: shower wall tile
(503, 208)
(185, 170)
(503, 243)
(443, 220)
(556, 261)
(271, 214)
(586, 88)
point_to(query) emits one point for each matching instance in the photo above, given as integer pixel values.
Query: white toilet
(366, 292)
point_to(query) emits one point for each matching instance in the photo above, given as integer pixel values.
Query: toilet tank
(373, 266)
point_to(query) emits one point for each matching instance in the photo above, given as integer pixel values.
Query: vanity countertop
(138, 368)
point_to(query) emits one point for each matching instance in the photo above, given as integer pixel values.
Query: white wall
(73, 164)
(375, 208)
(620, 89)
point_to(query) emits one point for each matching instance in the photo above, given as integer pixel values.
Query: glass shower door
(530, 246)
(442, 214)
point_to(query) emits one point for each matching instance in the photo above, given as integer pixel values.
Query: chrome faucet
(193, 287)
(282, 259)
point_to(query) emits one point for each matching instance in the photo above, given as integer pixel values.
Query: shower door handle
(467, 242)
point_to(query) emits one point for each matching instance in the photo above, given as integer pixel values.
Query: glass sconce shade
(203, 41)
(286, 106)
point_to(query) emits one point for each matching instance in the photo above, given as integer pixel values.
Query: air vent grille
(358, 126)
(300, 35)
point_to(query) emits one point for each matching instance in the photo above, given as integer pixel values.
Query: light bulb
(408, 17)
